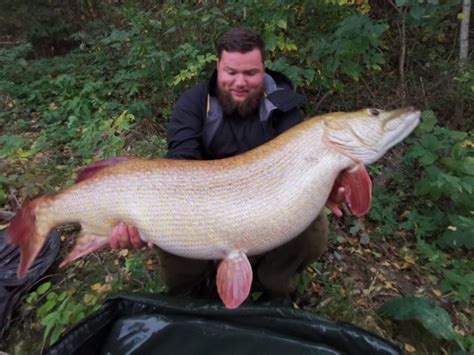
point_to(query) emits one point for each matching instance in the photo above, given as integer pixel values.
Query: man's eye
(230, 72)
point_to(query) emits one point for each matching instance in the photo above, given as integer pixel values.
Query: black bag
(12, 288)
(159, 324)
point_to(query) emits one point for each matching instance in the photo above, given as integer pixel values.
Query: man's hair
(241, 40)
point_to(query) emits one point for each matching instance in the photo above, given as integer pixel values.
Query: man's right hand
(124, 236)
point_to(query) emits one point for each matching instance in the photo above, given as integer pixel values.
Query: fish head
(366, 135)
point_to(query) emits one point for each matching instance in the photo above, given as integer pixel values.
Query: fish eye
(373, 112)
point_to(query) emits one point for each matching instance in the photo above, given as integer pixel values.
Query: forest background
(82, 80)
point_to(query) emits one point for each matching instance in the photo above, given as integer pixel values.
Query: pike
(224, 209)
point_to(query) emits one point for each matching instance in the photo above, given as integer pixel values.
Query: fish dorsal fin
(92, 169)
(355, 187)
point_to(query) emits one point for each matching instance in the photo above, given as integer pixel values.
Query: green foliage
(303, 281)
(136, 265)
(438, 203)
(443, 191)
(95, 102)
(461, 283)
(353, 48)
(12, 146)
(433, 317)
(447, 185)
(58, 311)
(465, 78)
(3, 195)
(457, 278)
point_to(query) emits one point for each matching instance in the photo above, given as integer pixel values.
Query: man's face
(240, 77)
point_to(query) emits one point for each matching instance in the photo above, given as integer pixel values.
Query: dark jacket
(198, 129)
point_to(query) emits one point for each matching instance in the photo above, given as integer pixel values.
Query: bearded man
(242, 106)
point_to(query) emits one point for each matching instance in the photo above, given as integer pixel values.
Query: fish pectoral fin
(234, 279)
(86, 244)
(355, 187)
(358, 189)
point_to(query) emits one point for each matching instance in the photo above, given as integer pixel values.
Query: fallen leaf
(150, 265)
(325, 302)
(101, 288)
(389, 285)
(409, 348)
(459, 330)
(123, 252)
(89, 299)
(437, 292)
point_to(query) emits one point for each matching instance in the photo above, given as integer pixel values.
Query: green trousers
(273, 270)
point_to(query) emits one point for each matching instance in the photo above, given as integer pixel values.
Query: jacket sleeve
(184, 133)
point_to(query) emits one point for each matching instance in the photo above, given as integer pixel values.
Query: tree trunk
(463, 53)
(464, 33)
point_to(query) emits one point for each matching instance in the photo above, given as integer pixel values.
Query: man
(241, 107)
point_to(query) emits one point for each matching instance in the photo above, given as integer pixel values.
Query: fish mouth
(398, 125)
(404, 120)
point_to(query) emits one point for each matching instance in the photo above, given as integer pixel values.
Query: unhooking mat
(12, 288)
(159, 324)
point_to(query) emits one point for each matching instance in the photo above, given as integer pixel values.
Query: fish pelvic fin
(234, 279)
(92, 169)
(86, 244)
(355, 187)
(24, 232)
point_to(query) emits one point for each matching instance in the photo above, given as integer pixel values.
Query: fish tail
(25, 232)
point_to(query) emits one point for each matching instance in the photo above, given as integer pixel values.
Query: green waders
(273, 270)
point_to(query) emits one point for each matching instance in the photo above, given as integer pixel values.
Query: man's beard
(244, 108)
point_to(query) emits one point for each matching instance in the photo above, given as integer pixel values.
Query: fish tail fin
(24, 232)
(234, 279)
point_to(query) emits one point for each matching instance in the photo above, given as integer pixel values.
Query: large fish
(223, 209)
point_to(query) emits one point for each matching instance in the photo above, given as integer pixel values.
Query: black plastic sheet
(159, 324)
(12, 288)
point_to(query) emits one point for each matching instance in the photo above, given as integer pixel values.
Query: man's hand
(124, 236)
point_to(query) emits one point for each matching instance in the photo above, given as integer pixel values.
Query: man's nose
(240, 80)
